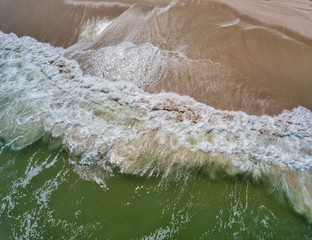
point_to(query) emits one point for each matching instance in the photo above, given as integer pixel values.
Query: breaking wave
(116, 125)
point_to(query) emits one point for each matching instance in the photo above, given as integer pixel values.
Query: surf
(117, 125)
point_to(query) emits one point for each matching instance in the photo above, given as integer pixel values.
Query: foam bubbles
(117, 125)
(92, 29)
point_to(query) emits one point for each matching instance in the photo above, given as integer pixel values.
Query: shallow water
(113, 130)
(87, 151)
(45, 196)
(197, 48)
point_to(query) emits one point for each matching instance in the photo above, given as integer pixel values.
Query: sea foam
(117, 125)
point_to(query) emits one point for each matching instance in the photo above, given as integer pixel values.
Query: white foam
(97, 3)
(92, 29)
(273, 31)
(117, 124)
(234, 22)
(141, 64)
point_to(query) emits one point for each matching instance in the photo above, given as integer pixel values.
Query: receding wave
(117, 125)
(229, 62)
(204, 49)
(97, 3)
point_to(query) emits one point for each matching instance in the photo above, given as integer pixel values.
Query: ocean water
(60, 129)
(44, 195)
(132, 129)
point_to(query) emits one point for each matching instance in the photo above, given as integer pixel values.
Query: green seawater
(46, 194)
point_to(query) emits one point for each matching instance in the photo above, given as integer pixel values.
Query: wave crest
(115, 124)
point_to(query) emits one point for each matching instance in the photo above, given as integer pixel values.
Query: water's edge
(115, 124)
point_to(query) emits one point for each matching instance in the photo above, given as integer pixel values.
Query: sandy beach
(252, 56)
(156, 119)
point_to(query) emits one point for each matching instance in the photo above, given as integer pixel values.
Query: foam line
(116, 124)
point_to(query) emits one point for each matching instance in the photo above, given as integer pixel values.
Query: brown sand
(292, 15)
(253, 56)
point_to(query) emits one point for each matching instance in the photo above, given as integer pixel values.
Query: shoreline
(232, 55)
(106, 123)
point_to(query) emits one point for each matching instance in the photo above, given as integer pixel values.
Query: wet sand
(57, 22)
(253, 56)
(291, 15)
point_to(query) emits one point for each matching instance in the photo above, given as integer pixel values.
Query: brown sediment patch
(180, 111)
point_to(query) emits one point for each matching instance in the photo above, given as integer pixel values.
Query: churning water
(86, 152)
